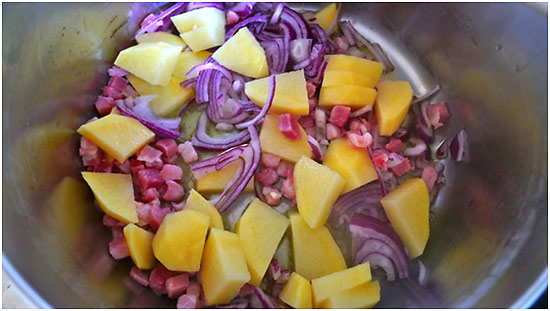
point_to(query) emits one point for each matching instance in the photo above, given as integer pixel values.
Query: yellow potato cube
(341, 77)
(359, 65)
(114, 194)
(117, 135)
(354, 165)
(196, 202)
(408, 208)
(201, 29)
(297, 292)
(139, 243)
(392, 104)
(316, 254)
(326, 16)
(179, 241)
(217, 181)
(360, 297)
(187, 60)
(152, 62)
(170, 98)
(243, 54)
(290, 93)
(317, 188)
(161, 36)
(223, 269)
(352, 96)
(331, 284)
(260, 230)
(274, 142)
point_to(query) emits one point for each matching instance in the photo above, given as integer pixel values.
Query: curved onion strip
(419, 147)
(315, 148)
(277, 13)
(265, 108)
(159, 22)
(243, 9)
(202, 140)
(258, 19)
(458, 147)
(208, 166)
(365, 199)
(361, 111)
(264, 299)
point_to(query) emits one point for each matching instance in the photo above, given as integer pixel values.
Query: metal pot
(489, 235)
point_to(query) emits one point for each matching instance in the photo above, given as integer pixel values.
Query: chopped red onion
(202, 140)
(241, 303)
(265, 108)
(277, 13)
(419, 148)
(264, 300)
(421, 273)
(254, 23)
(365, 200)
(299, 50)
(161, 21)
(295, 22)
(315, 148)
(458, 147)
(320, 123)
(361, 111)
(275, 269)
(243, 9)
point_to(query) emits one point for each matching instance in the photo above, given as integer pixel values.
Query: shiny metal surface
(489, 241)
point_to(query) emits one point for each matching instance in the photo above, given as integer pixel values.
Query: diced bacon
(359, 141)
(178, 206)
(136, 166)
(103, 167)
(288, 125)
(312, 103)
(437, 114)
(307, 121)
(402, 168)
(339, 115)
(394, 145)
(150, 194)
(290, 173)
(104, 105)
(168, 146)
(288, 189)
(267, 176)
(109, 91)
(151, 157)
(158, 277)
(157, 216)
(333, 132)
(129, 91)
(116, 232)
(270, 160)
(188, 152)
(144, 212)
(311, 88)
(194, 289)
(117, 71)
(311, 131)
(177, 285)
(109, 221)
(246, 290)
(173, 191)
(380, 159)
(170, 160)
(188, 302)
(171, 172)
(231, 17)
(90, 153)
(149, 178)
(283, 168)
(343, 44)
(360, 124)
(272, 196)
(118, 248)
(139, 276)
(429, 175)
(118, 83)
(122, 167)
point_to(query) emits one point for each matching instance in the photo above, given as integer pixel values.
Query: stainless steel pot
(489, 240)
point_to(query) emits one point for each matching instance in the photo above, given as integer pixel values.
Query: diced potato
(354, 165)
(223, 269)
(196, 202)
(297, 292)
(170, 98)
(316, 254)
(139, 243)
(326, 16)
(179, 241)
(317, 188)
(352, 96)
(114, 194)
(332, 284)
(341, 77)
(408, 208)
(217, 181)
(201, 29)
(160, 36)
(152, 62)
(243, 54)
(117, 135)
(290, 93)
(274, 142)
(359, 65)
(360, 297)
(187, 60)
(260, 230)
(392, 104)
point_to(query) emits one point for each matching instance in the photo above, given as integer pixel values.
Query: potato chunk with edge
(196, 202)
(139, 243)
(392, 104)
(274, 142)
(363, 296)
(331, 284)
(297, 292)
